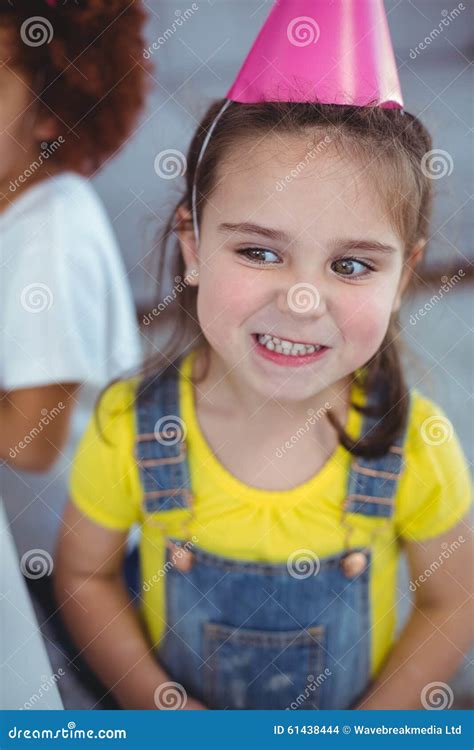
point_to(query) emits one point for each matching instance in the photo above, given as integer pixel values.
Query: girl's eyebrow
(360, 244)
(248, 228)
(335, 246)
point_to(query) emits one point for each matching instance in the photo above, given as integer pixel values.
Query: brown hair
(89, 72)
(372, 136)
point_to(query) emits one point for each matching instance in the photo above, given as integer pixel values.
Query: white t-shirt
(66, 315)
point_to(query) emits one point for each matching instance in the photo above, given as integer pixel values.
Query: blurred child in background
(70, 94)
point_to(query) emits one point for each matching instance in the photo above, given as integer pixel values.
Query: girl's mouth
(285, 352)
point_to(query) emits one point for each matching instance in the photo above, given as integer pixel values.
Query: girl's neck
(222, 391)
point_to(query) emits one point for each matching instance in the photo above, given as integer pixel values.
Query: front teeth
(273, 343)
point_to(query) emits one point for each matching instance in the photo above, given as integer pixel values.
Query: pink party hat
(330, 51)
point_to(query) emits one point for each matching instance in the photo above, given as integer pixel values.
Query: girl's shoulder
(432, 446)
(114, 410)
(59, 188)
(61, 229)
(59, 212)
(428, 426)
(74, 203)
(67, 186)
(104, 482)
(435, 488)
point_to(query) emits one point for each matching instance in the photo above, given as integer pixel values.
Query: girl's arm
(439, 630)
(99, 614)
(35, 424)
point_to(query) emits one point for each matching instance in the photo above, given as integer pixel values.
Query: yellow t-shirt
(235, 520)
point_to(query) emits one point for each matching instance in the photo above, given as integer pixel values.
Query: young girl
(70, 97)
(271, 452)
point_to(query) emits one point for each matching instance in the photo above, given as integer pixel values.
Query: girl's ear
(187, 242)
(408, 268)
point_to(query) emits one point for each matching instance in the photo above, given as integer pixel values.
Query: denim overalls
(259, 635)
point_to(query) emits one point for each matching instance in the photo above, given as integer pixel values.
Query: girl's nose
(302, 299)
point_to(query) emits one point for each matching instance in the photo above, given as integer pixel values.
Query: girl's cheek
(365, 326)
(224, 304)
(231, 292)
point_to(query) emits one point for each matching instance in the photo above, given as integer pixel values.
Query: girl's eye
(343, 266)
(256, 251)
(348, 267)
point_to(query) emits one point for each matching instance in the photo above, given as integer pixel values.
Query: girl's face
(299, 247)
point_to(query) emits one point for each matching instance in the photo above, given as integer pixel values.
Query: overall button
(354, 563)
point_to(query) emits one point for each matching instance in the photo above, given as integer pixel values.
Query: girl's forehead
(286, 185)
(297, 172)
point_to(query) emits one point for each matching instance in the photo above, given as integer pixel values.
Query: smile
(286, 346)
(285, 352)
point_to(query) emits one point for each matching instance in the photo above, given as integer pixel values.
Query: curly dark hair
(84, 59)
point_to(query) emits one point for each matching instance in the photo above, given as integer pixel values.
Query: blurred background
(195, 62)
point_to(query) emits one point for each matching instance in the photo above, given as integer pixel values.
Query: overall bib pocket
(248, 635)
(262, 669)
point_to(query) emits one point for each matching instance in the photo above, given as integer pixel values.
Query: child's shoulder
(430, 438)
(427, 422)
(115, 415)
(114, 411)
(119, 396)
(58, 207)
(435, 488)
(76, 199)
(59, 188)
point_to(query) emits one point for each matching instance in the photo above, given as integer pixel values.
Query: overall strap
(160, 445)
(372, 482)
